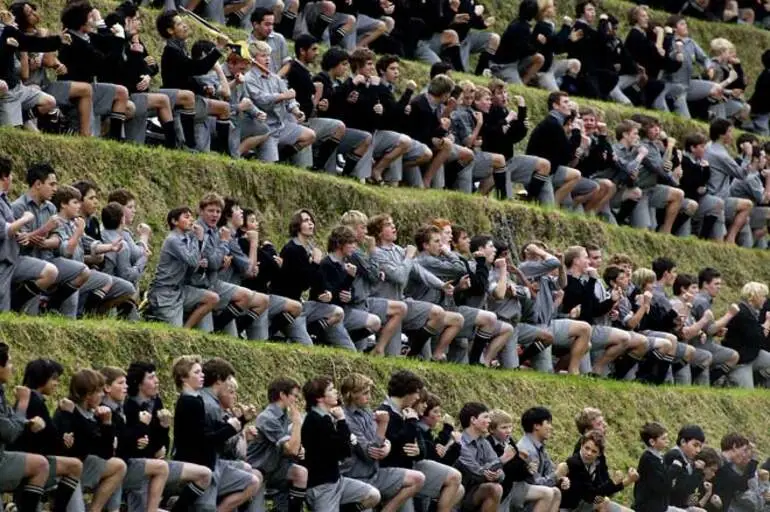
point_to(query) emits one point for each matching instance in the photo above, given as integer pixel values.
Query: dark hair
(174, 215)
(479, 241)
(733, 440)
(528, 10)
(85, 186)
(83, 383)
(595, 437)
(333, 58)
(282, 385)
(674, 20)
(17, 9)
(6, 166)
(694, 139)
(457, 232)
(216, 370)
(376, 223)
(360, 57)
(440, 68)
(555, 97)
(201, 48)
(259, 14)
(339, 237)
(662, 265)
(314, 390)
(165, 22)
(122, 196)
(690, 432)
(611, 273)
(709, 456)
(64, 195)
(707, 275)
(404, 382)
(581, 7)
(424, 235)
(431, 402)
(112, 215)
(75, 15)
(304, 42)
(4, 353)
(227, 210)
(534, 416)
(766, 59)
(718, 128)
(469, 411)
(38, 372)
(650, 431)
(385, 61)
(295, 223)
(39, 172)
(682, 282)
(746, 137)
(135, 375)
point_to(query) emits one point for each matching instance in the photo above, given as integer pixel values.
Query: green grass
(626, 405)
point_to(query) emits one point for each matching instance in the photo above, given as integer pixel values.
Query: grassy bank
(626, 406)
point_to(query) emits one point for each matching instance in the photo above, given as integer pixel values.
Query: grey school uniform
(724, 169)
(463, 124)
(720, 355)
(68, 269)
(280, 50)
(266, 451)
(477, 455)
(702, 358)
(544, 310)
(170, 294)
(389, 481)
(397, 268)
(752, 187)
(214, 250)
(546, 471)
(14, 268)
(12, 424)
(120, 264)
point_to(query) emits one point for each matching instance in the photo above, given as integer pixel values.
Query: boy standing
(536, 423)
(652, 491)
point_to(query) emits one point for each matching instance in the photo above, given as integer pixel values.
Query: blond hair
(354, 384)
(354, 218)
(720, 45)
(642, 277)
(499, 417)
(753, 290)
(466, 85)
(260, 48)
(584, 420)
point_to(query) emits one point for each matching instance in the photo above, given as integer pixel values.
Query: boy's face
(468, 95)
(251, 222)
(340, 70)
(544, 430)
(184, 222)
(236, 219)
(392, 72)
(311, 54)
(117, 390)
(263, 59)
(179, 29)
(349, 249)
(581, 262)
(194, 379)
(292, 398)
(693, 289)
(699, 150)
(47, 188)
(211, 214)
(709, 472)
(589, 13)
(595, 259)
(307, 227)
(481, 422)
(670, 276)
(433, 247)
(432, 417)
(389, 231)
(129, 212)
(90, 203)
(71, 208)
(410, 399)
(463, 244)
(713, 287)
(622, 280)
(362, 398)
(49, 388)
(265, 27)
(6, 372)
(150, 385)
(632, 137)
(659, 443)
(331, 397)
(589, 452)
(94, 400)
(228, 396)
(681, 29)
(589, 122)
(238, 65)
(446, 235)
(691, 448)
(599, 424)
(503, 431)
(500, 97)
(484, 103)
(367, 69)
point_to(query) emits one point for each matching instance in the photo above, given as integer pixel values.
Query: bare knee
(543, 167)
(210, 299)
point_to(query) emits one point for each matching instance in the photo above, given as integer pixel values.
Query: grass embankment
(163, 179)
(625, 405)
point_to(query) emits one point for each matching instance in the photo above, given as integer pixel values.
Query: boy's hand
(562, 470)
(164, 418)
(142, 442)
(68, 439)
(411, 449)
(104, 413)
(381, 417)
(235, 423)
(36, 424)
(337, 412)
(145, 417)
(66, 405)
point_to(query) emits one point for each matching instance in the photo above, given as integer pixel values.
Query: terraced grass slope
(626, 406)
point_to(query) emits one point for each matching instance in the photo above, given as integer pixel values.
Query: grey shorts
(719, 353)
(17, 100)
(657, 196)
(559, 328)
(435, 476)
(252, 127)
(583, 187)
(275, 305)
(60, 90)
(104, 97)
(389, 481)
(226, 291)
(328, 497)
(759, 216)
(11, 470)
(313, 310)
(323, 127)
(378, 307)
(600, 337)
(366, 24)
(355, 318)
(284, 136)
(172, 311)
(469, 321)
(135, 474)
(227, 478)
(522, 167)
(68, 269)
(93, 469)
(482, 165)
(415, 151)
(383, 141)
(27, 268)
(417, 314)
(528, 333)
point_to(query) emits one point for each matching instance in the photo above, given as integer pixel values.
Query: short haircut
(259, 14)
(440, 68)
(555, 97)
(376, 224)
(733, 440)
(304, 42)
(38, 372)
(333, 58)
(753, 289)
(85, 186)
(181, 368)
(173, 215)
(690, 432)
(662, 265)
(719, 128)
(528, 10)
(165, 22)
(216, 370)
(424, 234)
(39, 172)
(634, 13)
(283, 385)
(339, 237)
(385, 61)
(499, 417)
(83, 383)
(710, 457)
(469, 411)
(673, 20)
(295, 223)
(64, 194)
(481, 93)
(611, 274)
(4, 353)
(625, 126)
(314, 390)
(651, 431)
(683, 282)
(581, 7)
(112, 215)
(457, 232)
(260, 48)
(496, 85)
(619, 259)
(572, 253)
(539, 243)
(534, 416)
(6, 166)
(479, 241)
(641, 277)
(209, 199)
(440, 85)
(135, 375)
(354, 218)
(708, 274)
(441, 223)
(746, 137)
(592, 247)
(404, 382)
(595, 437)
(353, 384)
(431, 402)
(122, 196)
(111, 374)
(694, 139)
(584, 420)
(719, 45)
(360, 57)
(585, 110)
(75, 15)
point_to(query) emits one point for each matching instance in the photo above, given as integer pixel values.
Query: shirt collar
(390, 403)
(656, 453)
(321, 412)
(88, 414)
(537, 444)
(210, 393)
(112, 404)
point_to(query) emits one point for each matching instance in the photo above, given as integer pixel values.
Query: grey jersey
(119, 263)
(539, 271)
(280, 50)
(431, 272)
(723, 169)
(462, 123)
(179, 255)
(214, 251)
(264, 89)
(692, 54)
(12, 422)
(368, 276)
(508, 308)
(42, 213)
(362, 425)
(265, 452)
(751, 187)
(546, 471)
(86, 245)
(392, 261)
